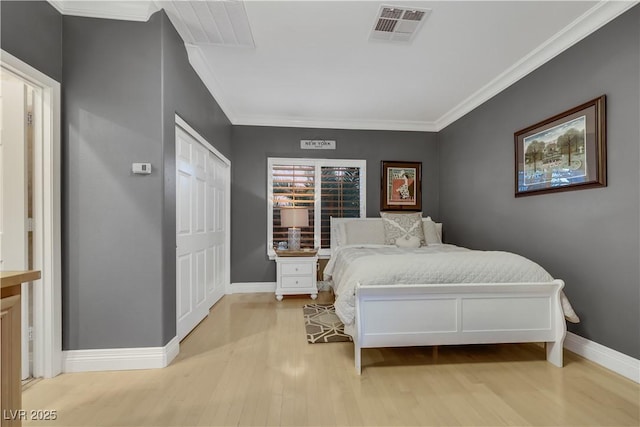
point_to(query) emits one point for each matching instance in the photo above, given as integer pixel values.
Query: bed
(439, 294)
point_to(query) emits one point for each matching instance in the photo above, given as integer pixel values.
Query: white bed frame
(439, 314)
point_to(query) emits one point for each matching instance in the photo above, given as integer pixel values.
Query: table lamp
(294, 218)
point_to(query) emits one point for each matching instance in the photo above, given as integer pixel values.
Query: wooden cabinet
(10, 358)
(11, 346)
(296, 275)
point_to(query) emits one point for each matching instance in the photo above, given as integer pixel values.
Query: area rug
(322, 324)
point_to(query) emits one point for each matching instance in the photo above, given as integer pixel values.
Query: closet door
(217, 181)
(202, 209)
(192, 236)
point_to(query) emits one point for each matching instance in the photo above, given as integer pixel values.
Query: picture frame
(401, 186)
(564, 152)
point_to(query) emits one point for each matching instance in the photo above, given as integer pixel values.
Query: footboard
(417, 315)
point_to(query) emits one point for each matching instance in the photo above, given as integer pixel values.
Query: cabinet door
(11, 385)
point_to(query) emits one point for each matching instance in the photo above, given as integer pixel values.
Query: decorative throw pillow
(408, 242)
(402, 225)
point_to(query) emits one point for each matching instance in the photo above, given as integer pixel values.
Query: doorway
(43, 98)
(16, 195)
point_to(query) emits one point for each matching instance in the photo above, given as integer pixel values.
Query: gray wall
(252, 145)
(124, 82)
(112, 219)
(32, 31)
(589, 238)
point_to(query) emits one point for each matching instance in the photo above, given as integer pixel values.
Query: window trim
(317, 206)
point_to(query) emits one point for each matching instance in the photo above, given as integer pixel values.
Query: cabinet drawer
(297, 281)
(303, 268)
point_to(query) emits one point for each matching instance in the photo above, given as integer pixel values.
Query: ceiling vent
(398, 24)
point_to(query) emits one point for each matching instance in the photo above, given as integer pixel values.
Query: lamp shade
(294, 217)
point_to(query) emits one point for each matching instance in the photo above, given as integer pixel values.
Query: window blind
(293, 185)
(340, 197)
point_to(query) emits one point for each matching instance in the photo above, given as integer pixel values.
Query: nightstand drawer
(297, 282)
(305, 268)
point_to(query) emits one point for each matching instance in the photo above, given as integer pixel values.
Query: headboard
(364, 230)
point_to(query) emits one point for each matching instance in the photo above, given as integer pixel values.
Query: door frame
(47, 294)
(180, 122)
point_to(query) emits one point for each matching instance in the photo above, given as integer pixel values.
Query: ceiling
(311, 63)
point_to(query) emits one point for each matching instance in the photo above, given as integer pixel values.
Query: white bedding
(384, 265)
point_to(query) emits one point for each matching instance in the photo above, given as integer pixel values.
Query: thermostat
(141, 168)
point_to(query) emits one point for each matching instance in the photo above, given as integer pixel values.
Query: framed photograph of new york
(565, 152)
(401, 188)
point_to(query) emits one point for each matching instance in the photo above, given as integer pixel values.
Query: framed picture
(401, 186)
(565, 152)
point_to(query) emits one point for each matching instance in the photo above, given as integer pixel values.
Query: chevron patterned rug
(322, 324)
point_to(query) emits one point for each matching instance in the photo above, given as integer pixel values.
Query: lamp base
(294, 239)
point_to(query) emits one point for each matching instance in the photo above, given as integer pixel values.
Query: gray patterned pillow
(402, 225)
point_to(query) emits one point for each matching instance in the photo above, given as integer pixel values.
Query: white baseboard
(251, 287)
(120, 359)
(613, 360)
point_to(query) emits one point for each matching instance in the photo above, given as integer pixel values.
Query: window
(326, 187)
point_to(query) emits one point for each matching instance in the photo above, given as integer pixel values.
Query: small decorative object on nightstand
(296, 273)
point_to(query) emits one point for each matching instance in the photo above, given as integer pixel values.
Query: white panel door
(13, 192)
(191, 234)
(201, 230)
(217, 181)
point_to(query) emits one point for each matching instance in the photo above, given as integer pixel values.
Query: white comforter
(383, 265)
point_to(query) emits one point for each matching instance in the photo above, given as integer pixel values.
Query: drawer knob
(296, 282)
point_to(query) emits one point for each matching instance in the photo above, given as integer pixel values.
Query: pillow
(408, 242)
(364, 232)
(431, 233)
(341, 235)
(402, 225)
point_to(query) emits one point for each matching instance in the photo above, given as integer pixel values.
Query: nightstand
(296, 275)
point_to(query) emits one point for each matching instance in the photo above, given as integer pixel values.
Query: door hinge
(29, 224)
(29, 119)
(30, 333)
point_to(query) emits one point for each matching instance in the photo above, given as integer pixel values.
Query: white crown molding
(250, 288)
(596, 17)
(120, 359)
(613, 360)
(202, 68)
(57, 4)
(122, 10)
(416, 126)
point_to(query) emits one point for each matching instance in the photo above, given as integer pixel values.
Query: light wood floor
(248, 363)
